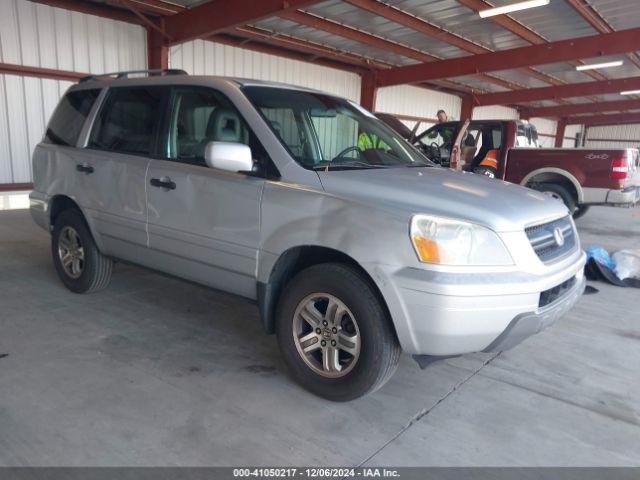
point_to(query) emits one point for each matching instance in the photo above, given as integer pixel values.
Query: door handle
(84, 168)
(164, 182)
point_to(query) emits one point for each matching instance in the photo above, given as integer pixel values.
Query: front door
(204, 224)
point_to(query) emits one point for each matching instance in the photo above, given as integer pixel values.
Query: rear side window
(66, 123)
(129, 120)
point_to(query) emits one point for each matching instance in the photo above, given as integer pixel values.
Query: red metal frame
(579, 108)
(9, 187)
(564, 50)
(92, 8)
(218, 15)
(593, 120)
(26, 71)
(272, 50)
(368, 91)
(560, 128)
(559, 91)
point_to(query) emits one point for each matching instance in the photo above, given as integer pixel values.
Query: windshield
(325, 132)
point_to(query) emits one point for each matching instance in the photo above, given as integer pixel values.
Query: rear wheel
(558, 191)
(334, 333)
(77, 260)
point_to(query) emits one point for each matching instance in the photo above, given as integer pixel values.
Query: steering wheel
(353, 148)
(435, 150)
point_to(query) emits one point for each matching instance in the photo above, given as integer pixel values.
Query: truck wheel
(79, 263)
(560, 192)
(334, 333)
(580, 211)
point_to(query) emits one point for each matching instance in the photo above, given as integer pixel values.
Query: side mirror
(229, 156)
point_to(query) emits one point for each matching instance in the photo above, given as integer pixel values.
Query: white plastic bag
(627, 264)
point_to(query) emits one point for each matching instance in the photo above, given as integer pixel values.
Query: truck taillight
(619, 168)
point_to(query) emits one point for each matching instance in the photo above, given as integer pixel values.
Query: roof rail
(118, 75)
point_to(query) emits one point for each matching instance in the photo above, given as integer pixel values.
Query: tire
(560, 192)
(362, 316)
(580, 211)
(89, 271)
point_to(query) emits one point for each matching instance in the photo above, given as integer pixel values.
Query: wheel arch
(291, 262)
(61, 202)
(555, 175)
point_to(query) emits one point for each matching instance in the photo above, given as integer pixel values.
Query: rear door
(204, 224)
(114, 164)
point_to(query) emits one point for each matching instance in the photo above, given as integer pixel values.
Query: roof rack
(118, 75)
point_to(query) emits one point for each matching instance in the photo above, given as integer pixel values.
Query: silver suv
(353, 244)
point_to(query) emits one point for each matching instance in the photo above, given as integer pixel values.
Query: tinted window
(203, 115)
(128, 121)
(67, 120)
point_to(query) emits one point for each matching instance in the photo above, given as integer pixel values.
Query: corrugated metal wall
(495, 112)
(546, 130)
(571, 131)
(207, 58)
(417, 102)
(41, 36)
(623, 136)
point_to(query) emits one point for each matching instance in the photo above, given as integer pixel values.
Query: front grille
(544, 239)
(549, 296)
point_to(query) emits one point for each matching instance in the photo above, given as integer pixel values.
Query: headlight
(452, 242)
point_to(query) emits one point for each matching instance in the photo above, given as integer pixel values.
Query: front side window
(322, 132)
(68, 119)
(128, 121)
(202, 115)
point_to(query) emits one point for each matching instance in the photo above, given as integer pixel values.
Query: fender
(564, 173)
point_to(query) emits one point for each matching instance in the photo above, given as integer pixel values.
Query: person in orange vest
(489, 164)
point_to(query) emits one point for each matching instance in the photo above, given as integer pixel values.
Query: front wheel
(334, 333)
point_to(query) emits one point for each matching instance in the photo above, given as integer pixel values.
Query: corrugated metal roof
(556, 21)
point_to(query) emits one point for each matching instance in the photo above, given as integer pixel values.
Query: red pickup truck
(509, 150)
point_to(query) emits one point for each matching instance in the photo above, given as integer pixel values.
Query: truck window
(68, 119)
(129, 120)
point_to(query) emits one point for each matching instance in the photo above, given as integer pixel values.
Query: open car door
(455, 151)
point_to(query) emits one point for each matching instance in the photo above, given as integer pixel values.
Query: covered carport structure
(529, 61)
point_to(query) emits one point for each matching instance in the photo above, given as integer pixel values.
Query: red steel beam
(596, 20)
(216, 16)
(92, 8)
(25, 71)
(305, 46)
(153, 7)
(581, 108)
(9, 187)
(433, 31)
(521, 31)
(368, 91)
(281, 52)
(561, 51)
(559, 91)
(560, 128)
(356, 35)
(617, 119)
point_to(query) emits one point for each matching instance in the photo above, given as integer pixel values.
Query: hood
(499, 205)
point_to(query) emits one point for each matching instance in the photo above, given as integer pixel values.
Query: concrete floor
(155, 371)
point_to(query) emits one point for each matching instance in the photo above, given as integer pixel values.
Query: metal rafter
(216, 16)
(592, 120)
(335, 28)
(433, 31)
(560, 51)
(583, 89)
(582, 108)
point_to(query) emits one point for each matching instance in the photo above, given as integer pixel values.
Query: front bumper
(444, 314)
